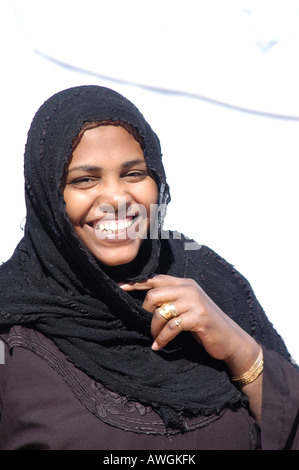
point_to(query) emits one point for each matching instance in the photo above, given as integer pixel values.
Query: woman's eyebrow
(134, 162)
(98, 168)
(85, 168)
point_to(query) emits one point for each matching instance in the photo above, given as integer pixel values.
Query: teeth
(114, 225)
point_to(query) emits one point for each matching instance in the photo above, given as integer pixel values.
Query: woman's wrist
(247, 360)
(252, 373)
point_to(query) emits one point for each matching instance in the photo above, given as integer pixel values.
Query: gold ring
(167, 311)
(177, 323)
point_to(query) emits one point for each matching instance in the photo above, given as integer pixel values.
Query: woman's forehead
(105, 146)
(88, 125)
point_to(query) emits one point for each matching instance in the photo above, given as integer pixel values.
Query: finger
(134, 286)
(159, 322)
(169, 332)
(157, 297)
(160, 280)
(187, 321)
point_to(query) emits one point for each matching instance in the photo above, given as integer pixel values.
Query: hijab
(54, 285)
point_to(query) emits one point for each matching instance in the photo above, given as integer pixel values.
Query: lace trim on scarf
(110, 407)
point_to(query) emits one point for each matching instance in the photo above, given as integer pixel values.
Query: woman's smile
(109, 194)
(114, 226)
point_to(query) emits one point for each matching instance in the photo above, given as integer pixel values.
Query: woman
(118, 336)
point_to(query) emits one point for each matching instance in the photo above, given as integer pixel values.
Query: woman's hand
(220, 336)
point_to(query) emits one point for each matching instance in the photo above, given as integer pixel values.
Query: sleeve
(280, 405)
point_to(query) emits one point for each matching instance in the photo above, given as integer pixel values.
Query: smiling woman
(106, 178)
(115, 338)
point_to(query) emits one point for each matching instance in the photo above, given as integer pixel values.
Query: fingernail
(155, 346)
(124, 286)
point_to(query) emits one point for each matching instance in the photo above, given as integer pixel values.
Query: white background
(233, 174)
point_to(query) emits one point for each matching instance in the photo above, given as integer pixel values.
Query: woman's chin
(118, 256)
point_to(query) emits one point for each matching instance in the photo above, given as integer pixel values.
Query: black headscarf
(53, 284)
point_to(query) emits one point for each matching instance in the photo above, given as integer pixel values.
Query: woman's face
(109, 193)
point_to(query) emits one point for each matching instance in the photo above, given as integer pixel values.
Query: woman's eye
(137, 175)
(84, 181)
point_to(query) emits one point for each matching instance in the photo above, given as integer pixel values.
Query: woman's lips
(113, 226)
(116, 229)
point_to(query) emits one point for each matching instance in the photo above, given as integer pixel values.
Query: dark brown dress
(47, 403)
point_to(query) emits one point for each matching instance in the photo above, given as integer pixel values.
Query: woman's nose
(113, 197)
